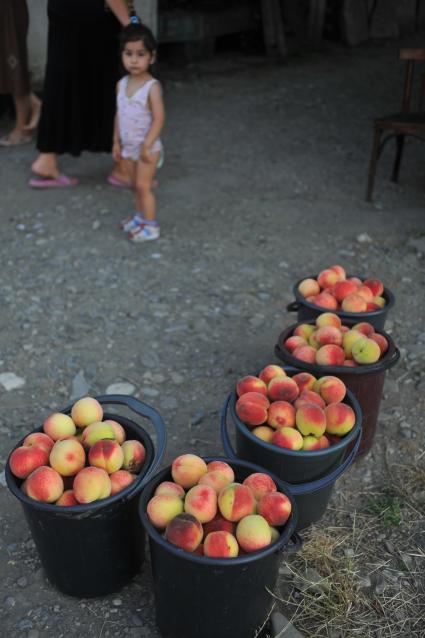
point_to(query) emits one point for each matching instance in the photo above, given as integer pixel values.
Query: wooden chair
(399, 124)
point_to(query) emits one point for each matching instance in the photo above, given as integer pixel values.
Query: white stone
(11, 381)
(120, 388)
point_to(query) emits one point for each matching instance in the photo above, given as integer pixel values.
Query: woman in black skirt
(79, 87)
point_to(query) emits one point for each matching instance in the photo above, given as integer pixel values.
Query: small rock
(389, 546)
(9, 601)
(362, 579)
(11, 381)
(96, 224)
(282, 628)
(120, 388)
(197, 418)
(349, 552)
(256, 321)
(25, 624)
(117, 602)
(364, 238)
(149, 392)
(56, 609)
(80, 386)
(177, 378)
(22, 582)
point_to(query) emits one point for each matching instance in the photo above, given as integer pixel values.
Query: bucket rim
(387, 294)
(84, 508)
(302, 454)
(276, 546)
(389, 359)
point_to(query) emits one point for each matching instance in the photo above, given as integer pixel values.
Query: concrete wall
(37, 37)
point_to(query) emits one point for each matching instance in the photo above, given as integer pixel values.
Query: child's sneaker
(129, 224)
(144, 233)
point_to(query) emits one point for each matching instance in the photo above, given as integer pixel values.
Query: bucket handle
(394, 358)
(294, 306)
(149, 413)
(296, 490)
(295, 546)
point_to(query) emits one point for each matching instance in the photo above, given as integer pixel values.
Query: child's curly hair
(136, 32)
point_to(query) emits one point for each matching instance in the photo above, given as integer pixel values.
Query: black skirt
(80, 79)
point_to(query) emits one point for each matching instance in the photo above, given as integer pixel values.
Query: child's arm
(156, 104)
(120, 10)
(116, 143)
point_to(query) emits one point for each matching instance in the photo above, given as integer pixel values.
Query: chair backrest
(411, 56)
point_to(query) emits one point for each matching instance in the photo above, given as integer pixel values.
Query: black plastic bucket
(306, 310)
(311, 474)
(365, 381)
(201, 597)
(95, 549)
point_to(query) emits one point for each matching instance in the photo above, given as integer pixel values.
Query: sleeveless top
(134, 119)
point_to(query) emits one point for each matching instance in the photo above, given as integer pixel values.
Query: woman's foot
(46, 166)
(15, 138)
(35, 105)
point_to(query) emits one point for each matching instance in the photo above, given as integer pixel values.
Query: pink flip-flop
(52, 182)
(117, 182)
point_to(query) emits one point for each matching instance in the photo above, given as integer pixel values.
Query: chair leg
(398, 156)
(373, 163)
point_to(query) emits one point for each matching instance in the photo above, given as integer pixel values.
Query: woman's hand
(145, 154)
(116, 151)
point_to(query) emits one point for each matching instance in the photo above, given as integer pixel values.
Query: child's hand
(145, 154)
(116, 151)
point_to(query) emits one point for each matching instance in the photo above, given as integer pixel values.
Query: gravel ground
(263, 183)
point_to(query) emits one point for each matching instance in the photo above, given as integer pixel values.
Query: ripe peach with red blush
(311, 443)
(118, 430)
(184, 531)
(328, 334)
(67, 457)
(332, 389)
(354, 303)
(304, 380)
(236, 501)
(221, 544)
(275, 507)
(263, 432)
(44, 484)
(330, 355)
(328, 319)
(120, 480)
(288, 438)
(59, 426)
(365, 328)
(39, 439)
(303, 330)
(67, 499)
(250, 384)
(163, 508)
(308, 287)
(381, 341)
(344, 288)
(327, 278)
(311, 419)
(91, 484)
(134, 455)
(218, 524)
(283, 388)
(252, 408)
(25, 459)
(201, 501)
(169, 487)
(223, 467)
(340, 418)
(215, 479)
(309, 396)
(107, 455)
(86, 411)
(293, 342)
(253, 533)
(269, 372)
(281, 414)
(187, 469)
(305, 353)
(260, 484)
(326, 300)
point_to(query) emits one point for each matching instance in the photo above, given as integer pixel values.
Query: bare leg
(35, 111)
(145, 199)
(46, 165)
(18, 135)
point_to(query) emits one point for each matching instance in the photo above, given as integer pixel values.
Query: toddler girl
(138, 123)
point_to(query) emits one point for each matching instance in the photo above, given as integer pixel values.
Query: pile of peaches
(329, 343)
(298, 413)
(77, 459)
(334, 291)
(204, 511)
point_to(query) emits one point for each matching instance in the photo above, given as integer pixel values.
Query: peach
(365, 328)
(304, 380)
(221, 545)
(324, 441)
(340, 418)
(275, 534)
(348, 340)
(25, 459)
(236, 501)
(201, 501)
(340, 271)
(169, 487)
(344, 288)
(365, 293)
(327, 278)
(330, 355)
(134, 455)
(269, 372)
(328, 334)
(371, 307)
(311, 419)
(356, 280)
(118, 429)
(292, 343)
(215, 479)
(275, 507)
(59, 426)
(67, 457)
(67, 499)
(120, 480)
(280, 414)
(86, 411)
(184, 531)
(303, 330)
(223, 467)
(313, 340)
(263, 432)
(309, 396)
(328, 319)
(187, 469)
(39, 439)
(282, 388)
(250, 384)
(97, 432)
(326, 300)
(219, 524)
(91, 484)
(380, 340)
(163, 508)
(366, 350)
(344, 329)
(311, 443)
(379, 301)
(353, 303)
(107, 455)
(253, 533)
(44, 484)
(252, 407)
(349, 363)
(332, 389)
(260, 484)
(305, 353)
(308, 287)
(288, 438)
(375, 285)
